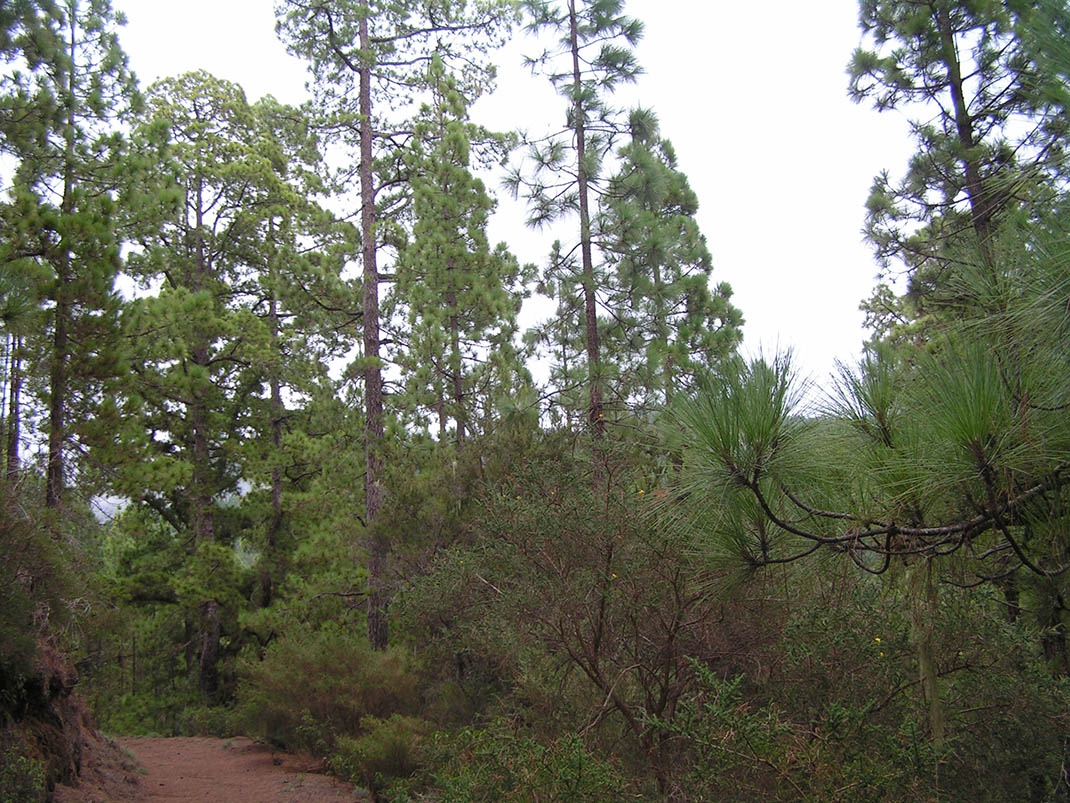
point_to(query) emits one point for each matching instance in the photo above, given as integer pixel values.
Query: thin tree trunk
(661, 328)
(924, 611)
(14, 412)
(440, 408)
(57, 402)
(5, 384)
(595, 413)
(277, 413)
(373, 378)
(201, 492)
(455, 369)
(980, 207)
(204, 533)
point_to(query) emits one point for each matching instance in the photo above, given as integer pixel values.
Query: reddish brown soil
(190, 769)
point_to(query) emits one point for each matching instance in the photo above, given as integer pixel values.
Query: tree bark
(201, 491)
(455, 368)
(980, 208)
(57, 401)
(14, 411)
(373, 377)
(277, 412)
(595, 413)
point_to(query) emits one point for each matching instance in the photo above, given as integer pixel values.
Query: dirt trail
(235, 770)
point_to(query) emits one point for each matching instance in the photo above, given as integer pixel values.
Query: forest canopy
(352, 506)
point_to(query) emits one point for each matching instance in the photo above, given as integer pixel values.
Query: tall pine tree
(991, 131)
(671, 324)
(366, 59)
(201, 353)
(62, 120)
(592, 56)
(461, 297)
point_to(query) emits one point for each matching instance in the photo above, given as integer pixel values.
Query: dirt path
(200, 769)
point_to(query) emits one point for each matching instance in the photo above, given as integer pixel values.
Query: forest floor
(238, 770)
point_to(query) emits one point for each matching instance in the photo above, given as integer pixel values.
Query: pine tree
(200, 351)
(561, 340)
(592, 57)
(366, 58)
(671, 325)
(296, 291)
(20, 314)
(991, 129)
(62, 123)
(461, 298)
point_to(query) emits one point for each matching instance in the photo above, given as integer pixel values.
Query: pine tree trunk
(14, 412)
(58, 379)
(201, 491)
(595, 414)
(204, 533)
(277, 411)
(373, 378)
(661, 328)
(980, 208)
(455, 369)
(57, 403)
(209, 648)
(924, 610)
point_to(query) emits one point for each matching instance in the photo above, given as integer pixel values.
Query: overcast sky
(753, 97)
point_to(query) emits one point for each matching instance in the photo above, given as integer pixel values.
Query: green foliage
(504, 763)
(985, 152)
(736, 751)
(386, 756)
(670, 325)
(840, 716)
(581, 625)
(591, 55)
(309, 689)
(462, 298)
(571, 608)
(65, 99)
(22, 778)
(35, 583)
(985, 156)
(938, 445)
(136, 680)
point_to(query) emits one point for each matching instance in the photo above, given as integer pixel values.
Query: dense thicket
(313, 491)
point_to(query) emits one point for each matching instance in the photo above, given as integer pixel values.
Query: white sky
(753, 97)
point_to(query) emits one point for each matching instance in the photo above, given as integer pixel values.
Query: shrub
(22, 778)
(388, 752)
(841, 716)
(34, 583)
(498, 764)
(310, 689)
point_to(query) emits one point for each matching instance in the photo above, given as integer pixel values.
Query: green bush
(310, 689)
(35, 581)
(841, 716)
(498, 764)
(388, 752)
(22, 778)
